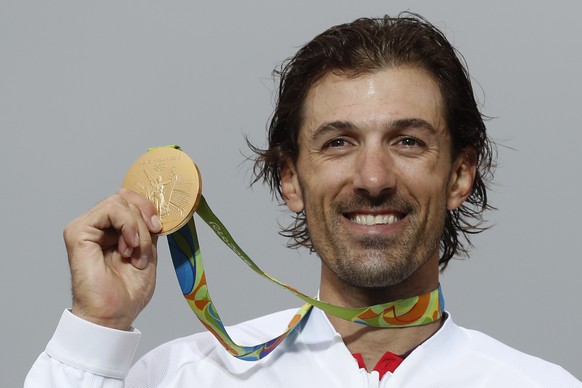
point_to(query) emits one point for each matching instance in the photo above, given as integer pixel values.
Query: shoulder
(258, 329)
(203, 352)
(497, 361)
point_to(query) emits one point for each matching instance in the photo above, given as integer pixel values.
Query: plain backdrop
(86, 87)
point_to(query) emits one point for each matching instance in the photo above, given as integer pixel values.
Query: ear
(290, 187)
(461, 178)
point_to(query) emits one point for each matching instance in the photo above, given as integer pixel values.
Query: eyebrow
(332, 127)
(393, 125)
(412, 122)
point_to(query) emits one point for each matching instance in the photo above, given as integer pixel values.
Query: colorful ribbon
(187, 259)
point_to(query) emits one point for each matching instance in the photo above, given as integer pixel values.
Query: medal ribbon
(187, 259)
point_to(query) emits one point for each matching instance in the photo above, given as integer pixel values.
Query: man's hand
(113, 258)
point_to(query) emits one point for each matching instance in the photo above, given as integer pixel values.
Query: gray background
(85, 88)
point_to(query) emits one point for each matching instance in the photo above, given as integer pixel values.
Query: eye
(410, 142)
(337, 142)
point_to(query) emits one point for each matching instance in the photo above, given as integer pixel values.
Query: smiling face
(375, 175)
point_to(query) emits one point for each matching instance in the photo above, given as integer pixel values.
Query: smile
(371, 219)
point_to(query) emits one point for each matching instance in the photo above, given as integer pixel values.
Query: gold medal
(171, 181)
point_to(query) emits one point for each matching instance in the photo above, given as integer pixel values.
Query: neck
(373, 342)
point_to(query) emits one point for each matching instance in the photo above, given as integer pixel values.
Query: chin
(377, 274)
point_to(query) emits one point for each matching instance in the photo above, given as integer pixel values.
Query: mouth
(374, 219)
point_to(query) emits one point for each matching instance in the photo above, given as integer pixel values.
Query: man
(378, 147)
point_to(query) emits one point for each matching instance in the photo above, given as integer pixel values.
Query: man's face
(374, 174)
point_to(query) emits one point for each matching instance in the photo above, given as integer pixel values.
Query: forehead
(374, 98)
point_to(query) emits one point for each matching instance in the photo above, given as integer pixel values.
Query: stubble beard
(373, 262)
(377, 261)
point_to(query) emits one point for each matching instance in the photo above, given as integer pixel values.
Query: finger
(144, 253)
(148, 211)
(126, 222)
(112, 214)
(124, 249)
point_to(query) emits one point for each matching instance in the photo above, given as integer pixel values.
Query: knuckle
(133, 207)
(114, 202)
(70, 230)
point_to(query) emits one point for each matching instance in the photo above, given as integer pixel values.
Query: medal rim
(132, 179)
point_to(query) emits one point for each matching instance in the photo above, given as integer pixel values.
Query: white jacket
(81, 354)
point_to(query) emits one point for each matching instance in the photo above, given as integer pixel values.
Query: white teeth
(374, 220)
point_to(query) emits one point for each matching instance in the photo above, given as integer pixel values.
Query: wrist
(117, 323)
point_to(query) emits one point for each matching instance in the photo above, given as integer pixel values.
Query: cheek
(426, 183)
(321, 180)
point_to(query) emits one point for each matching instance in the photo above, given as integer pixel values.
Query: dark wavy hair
(365, 46)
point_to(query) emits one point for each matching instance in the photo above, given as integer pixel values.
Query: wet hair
(365, 46)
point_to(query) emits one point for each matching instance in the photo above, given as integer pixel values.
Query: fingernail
(156, 223)
(136, 240)
(127, 252)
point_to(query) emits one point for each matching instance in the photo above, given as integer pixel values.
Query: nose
(374, 173)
